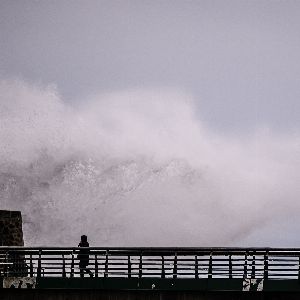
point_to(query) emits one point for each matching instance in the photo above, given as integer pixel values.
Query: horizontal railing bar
(163, 249)
(148, 264)
(284, 265)
(92, 258)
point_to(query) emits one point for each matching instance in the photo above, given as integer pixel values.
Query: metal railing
(176, 263)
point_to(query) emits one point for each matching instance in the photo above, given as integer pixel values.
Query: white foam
(138, 168)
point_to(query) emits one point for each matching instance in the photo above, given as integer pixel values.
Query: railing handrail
(162, 249)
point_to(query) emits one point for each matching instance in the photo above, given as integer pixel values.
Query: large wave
(138, 168)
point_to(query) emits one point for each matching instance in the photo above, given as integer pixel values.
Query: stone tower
(11, 233)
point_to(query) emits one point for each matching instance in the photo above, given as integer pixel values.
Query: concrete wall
(11, 233)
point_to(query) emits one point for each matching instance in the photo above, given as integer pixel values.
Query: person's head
(84, 238)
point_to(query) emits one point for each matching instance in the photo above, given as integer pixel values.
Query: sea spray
(138, 168)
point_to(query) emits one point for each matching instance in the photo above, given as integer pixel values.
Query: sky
(151, 123)
(238, 59)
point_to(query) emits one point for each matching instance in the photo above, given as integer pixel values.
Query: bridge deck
(152, 268)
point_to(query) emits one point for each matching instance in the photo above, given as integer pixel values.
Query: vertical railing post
(175, 266)
(129, 267)
(96, 266)
(299, 268)
(30, 266)
(106, 265)
(196, 267)
(253, 266)
(39, 268)
(63, 267)
(72, 264)
(266, 265)
(210, 266)
(163, 272)
(230, 266)
(141, 266)
(6, 260)
(246, 265)
(13, 271)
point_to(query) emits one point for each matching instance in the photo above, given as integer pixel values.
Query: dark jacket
(83, 255)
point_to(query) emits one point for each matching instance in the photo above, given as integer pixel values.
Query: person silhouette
(83, 257)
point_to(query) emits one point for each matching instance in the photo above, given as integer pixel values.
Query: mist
(138, 167)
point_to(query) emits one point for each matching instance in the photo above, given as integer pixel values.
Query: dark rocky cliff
(11, 233)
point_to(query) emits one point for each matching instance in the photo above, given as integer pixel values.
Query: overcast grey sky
(134, 144)
(239, 59)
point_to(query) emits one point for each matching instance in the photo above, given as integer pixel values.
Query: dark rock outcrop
(11, 233)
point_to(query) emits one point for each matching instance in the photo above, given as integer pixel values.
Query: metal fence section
(177, 263)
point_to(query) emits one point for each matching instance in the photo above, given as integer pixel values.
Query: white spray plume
(138, 168)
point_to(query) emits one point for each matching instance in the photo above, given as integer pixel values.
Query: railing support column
(175, 266)
(230, 266)
(106, 265)
(5, 271)
(129, 267)
(253, 267)
(63, 266)
(246, 265)
(39, 269)
(299, 268)
(196, 267)
(266, 265)
(210, 266)
(163, 272)
(72, 264)
(30, 266)
(141, 266)
(96, 266)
